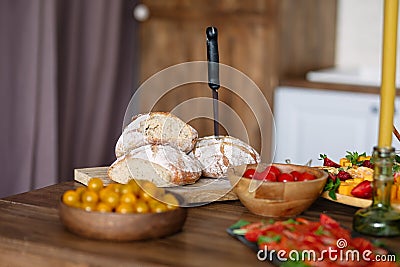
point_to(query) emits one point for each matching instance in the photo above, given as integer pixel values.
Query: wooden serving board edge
(83, 175)
(348, 200)
(355, 201)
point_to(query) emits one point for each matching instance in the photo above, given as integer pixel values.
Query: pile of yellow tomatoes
(133, 197)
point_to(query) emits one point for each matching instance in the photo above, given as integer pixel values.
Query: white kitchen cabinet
(310, 122)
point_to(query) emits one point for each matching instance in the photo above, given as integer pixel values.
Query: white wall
(359, 35)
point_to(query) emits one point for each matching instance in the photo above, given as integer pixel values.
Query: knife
(213, 71)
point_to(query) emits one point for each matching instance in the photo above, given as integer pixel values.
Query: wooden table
(32, 235)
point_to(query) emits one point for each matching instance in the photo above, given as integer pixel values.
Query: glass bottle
(379, 219)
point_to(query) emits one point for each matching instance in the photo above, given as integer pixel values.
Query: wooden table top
(31, 235)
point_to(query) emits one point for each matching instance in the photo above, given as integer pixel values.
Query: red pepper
(362, 190)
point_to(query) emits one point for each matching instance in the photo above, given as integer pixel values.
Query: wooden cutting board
(205, 190)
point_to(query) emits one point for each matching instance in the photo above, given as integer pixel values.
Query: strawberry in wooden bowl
(277, 190)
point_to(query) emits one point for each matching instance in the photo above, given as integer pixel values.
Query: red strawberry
(328, 162)
(343, 175)
(331, 176)
(368, 164)
(362, 190)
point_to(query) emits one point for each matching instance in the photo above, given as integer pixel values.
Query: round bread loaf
(160, 128)
(216, 154)
(163, 165)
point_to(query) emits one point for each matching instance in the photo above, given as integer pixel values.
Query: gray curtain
(67, 72)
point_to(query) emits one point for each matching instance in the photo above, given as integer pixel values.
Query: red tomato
(285, 177)
(259, 175)
(302, 220)
(274, 170)
(328, 221)
(362, 244)
(270, 177)
(302, 235)
(296, 175)
(252, 236)
(306, 177)
(265, 175)
(249, 173)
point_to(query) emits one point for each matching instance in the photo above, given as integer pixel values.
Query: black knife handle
(212, 57)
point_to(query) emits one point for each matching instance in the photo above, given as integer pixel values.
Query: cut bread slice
(217, 154)
(163, 165)
(160, 128)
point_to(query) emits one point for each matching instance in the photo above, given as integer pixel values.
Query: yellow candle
(388, 85)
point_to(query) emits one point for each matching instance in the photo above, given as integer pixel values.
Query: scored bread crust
(161, 128)
(217, 154)
(163, 165)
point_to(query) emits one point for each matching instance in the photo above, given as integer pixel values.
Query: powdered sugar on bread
(161, 164)
(217, 154)
(160, 128)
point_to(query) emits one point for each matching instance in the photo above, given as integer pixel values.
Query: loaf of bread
(159, 128)
(163, 165)
(216, 154)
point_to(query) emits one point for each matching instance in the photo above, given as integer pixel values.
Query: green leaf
(328, 185)
(320, 230)
(396, 168)
(332, 194)
(239, 224)
(333, 188)
(290, 221)
(353, 157)
(269, 239)
(239, 231)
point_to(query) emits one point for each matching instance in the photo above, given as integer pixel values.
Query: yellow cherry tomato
(80, 190)
(126, 188)
(115, 187)
(143, 195)
(141, 207)
(153, 202)
(103, 207)
(111, 198)
(88, 206)
(95, 184)
(70, 198)
(170, 199)
(90, 197)
(128, 198)
(149, 188)
(158, 208)
(124, 208)
(103, 191)
(134, 185)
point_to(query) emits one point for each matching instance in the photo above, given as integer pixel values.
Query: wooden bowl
(121, 227)
(277, 199)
